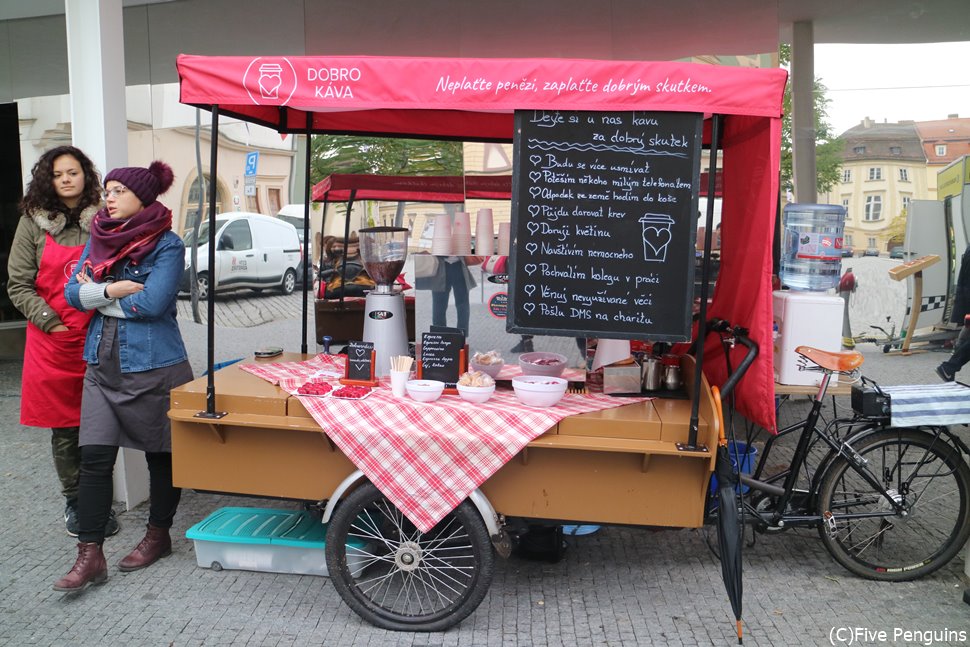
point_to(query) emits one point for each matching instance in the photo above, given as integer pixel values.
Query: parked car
(252, 251)
(848, 252)
(897, 252)
(871, 251)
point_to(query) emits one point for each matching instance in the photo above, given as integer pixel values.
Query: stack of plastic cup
(441, 240)
(461, 234)
(484, 233)
(504, 237)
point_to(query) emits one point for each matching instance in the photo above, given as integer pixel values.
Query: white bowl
(476, 394)
(489, 369)
(539, 390)
(425, 390)
(555, 367)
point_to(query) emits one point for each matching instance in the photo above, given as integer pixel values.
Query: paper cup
(399, 382)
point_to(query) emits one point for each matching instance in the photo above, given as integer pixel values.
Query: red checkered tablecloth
(273, 372)
(428, 457)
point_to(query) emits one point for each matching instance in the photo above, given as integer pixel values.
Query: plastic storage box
(804, 319)
(264, 539)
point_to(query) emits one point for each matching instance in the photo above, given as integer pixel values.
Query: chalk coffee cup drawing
(656, 236)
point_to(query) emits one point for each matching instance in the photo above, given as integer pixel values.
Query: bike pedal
(828, 519)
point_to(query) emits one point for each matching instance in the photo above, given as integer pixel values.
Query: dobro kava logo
(272, 81)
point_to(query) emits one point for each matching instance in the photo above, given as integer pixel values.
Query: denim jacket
(148, 336)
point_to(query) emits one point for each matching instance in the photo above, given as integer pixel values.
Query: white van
(252, 251)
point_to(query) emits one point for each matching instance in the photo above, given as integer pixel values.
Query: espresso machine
(383, 251)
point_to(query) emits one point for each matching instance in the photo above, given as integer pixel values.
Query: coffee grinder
(383, 251)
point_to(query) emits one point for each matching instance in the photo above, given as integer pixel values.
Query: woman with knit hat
(129, 274)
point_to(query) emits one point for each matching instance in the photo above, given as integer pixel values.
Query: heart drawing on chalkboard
(534, 209)
(535, 159)
(529, 289)
(535, 175)
(655, 240)
(359, 352)
(531, 248)
(528, 307)
(533, 227)
(530, 268)
(535, 191)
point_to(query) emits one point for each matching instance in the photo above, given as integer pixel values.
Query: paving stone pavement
(619, 586)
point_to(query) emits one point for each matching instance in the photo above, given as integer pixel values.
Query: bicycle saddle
(840, 362)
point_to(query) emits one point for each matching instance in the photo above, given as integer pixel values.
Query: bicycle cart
(430, 530)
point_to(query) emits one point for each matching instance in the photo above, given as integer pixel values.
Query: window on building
(940, 150)
(875, 172)
(872, 242)
(190, 205)
(873, 208)
(896, 150)
(906, 200)
(847, 240)
(845, 205)
(859, 150)
(846, 175)
(273, 195)
(904, 175)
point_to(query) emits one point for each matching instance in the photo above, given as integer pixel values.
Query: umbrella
(729, 529)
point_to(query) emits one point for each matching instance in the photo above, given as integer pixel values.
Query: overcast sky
(894, 82)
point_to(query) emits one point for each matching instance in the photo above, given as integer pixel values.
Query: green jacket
(25, 255)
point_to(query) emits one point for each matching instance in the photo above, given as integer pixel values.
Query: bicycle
(890, 503)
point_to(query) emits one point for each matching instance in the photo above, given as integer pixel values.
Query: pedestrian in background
(961, 309)
(129, 273)
(62, 197)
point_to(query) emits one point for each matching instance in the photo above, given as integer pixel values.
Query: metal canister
(652, 374)
(672, 377)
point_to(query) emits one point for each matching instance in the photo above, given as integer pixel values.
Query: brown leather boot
(90, 568)
(155, 545)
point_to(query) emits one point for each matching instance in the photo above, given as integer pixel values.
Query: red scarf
(114, 239)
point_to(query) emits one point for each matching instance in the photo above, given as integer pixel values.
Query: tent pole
(343, 266)
(210, 389)
(705, 278)
(306, 229)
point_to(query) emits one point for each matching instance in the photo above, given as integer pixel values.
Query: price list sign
(604, 221)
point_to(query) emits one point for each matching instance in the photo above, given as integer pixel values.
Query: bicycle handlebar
(741, 334)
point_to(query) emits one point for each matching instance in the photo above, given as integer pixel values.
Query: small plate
(334, 395)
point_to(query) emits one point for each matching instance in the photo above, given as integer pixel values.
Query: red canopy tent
(474, 100)
(424, 188)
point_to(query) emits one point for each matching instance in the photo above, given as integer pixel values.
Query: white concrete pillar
(99, 127)
(803, 112)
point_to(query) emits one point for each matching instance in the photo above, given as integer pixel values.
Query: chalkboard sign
(360, 364)
(604, 217)
(442, 357)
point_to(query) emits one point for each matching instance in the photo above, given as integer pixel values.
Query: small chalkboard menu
(360, 364)
(442, 357)
(604, 217)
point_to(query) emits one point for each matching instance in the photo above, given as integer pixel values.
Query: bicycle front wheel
(864, 534)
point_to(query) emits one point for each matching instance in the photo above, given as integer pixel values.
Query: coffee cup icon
(656, 236)
(270, 79)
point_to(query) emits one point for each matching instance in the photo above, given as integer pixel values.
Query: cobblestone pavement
(619, 586)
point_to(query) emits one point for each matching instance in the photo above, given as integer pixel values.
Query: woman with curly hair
(62, 197)
(129, 273)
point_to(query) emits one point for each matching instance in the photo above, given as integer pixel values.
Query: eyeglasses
(116, 192)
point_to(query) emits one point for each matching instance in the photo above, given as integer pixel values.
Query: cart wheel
(887, 348)
(396, 577)
(216, 566)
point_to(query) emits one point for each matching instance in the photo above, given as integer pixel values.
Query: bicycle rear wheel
(926, 474)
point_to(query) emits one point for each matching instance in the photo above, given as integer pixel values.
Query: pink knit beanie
(146, 183)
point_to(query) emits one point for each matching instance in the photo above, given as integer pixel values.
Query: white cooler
(804, 319)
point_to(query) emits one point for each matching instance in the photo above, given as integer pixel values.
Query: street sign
(249, 190)
(252, 159)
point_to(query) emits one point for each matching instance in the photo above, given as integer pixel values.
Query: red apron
(53, 362)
